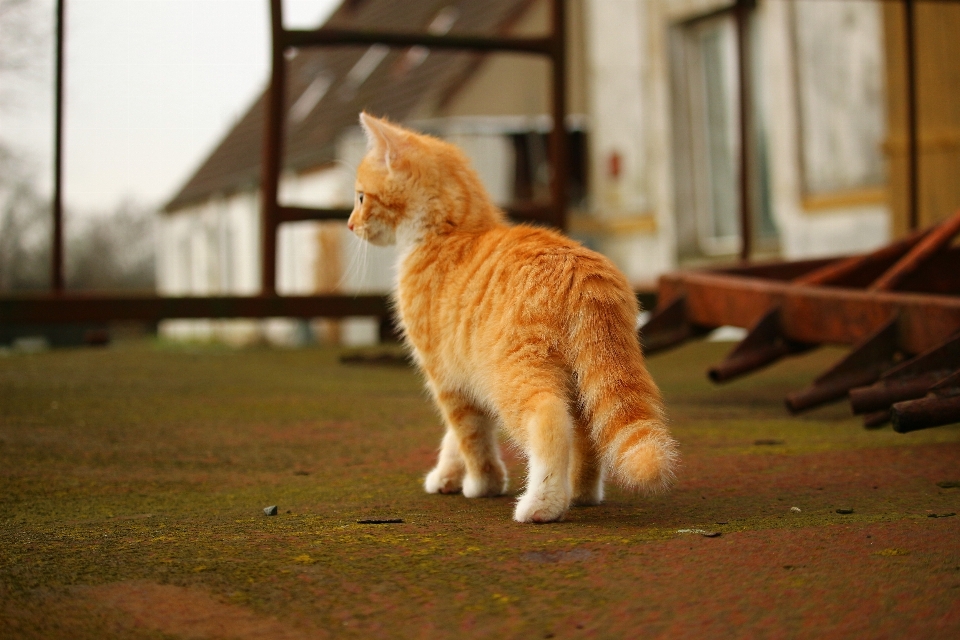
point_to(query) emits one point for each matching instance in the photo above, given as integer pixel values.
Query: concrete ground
(133, 481)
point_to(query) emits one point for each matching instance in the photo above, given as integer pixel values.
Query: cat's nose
(350, 225)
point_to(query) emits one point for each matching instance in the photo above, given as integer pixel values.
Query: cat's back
(506, 271)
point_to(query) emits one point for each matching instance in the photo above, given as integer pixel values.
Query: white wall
(804, 233)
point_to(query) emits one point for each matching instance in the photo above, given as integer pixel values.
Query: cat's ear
(385, 139)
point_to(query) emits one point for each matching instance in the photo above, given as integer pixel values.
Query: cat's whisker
(352, 266)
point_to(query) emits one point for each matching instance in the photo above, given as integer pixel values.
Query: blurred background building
(653, 130)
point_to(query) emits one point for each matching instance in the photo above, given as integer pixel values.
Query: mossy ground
(133, 478)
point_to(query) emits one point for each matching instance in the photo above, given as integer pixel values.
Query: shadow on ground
(132, 483)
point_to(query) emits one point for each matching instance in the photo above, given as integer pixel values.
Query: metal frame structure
(897, 307)
(62, 307)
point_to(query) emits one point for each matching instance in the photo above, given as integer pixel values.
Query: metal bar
(519, 212)
(868, 359)
(937, 239)
(940, 407)
(762, 346)
(559, 158)
(56, 265)
(301, 214)
(814, 314)
(879, 396)
(272, 155)
(876, 420)
(669, 326)
(914, 415)
(913, 179)
(742, 15)
(73, 308)
(841, 270)
(329, 37)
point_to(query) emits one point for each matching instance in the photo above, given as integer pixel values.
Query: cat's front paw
(444, 481)
(491, 483)
(541, 507)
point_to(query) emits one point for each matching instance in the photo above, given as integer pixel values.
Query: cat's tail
(618, 398)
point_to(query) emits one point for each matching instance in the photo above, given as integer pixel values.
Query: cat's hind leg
(586, 468)
(469, 455)
(547, 430)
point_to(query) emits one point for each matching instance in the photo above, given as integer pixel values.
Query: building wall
(837, 89)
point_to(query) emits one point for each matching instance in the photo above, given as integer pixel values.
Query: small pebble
(270, 511)
(844, 511)
(795, 509)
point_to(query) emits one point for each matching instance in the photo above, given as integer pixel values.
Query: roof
(328, 87)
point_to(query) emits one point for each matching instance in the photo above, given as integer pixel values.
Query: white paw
(488, 485)
(541, 506)
(443, 481)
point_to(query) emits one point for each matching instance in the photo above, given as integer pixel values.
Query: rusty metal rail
(899, 304)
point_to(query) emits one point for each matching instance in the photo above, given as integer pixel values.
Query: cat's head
(410, 185)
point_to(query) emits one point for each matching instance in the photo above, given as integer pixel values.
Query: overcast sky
(151, 86)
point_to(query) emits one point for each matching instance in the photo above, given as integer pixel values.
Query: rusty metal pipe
(881, 395)
(750, 361)
(934, 411)
(876, 420)
(938, 238)
(823, 393)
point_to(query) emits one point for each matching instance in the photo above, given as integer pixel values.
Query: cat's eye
(360, 196)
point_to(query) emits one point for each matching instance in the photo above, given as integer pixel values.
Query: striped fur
(513, 326)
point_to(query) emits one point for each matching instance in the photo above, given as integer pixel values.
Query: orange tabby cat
(513, 326)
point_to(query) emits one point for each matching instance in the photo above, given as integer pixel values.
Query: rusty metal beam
(73, 308)
(910, 380)
(330, 37)
(669, 326)
(940, 407)
(764, 345)
(864, 269)
(813, 314)
(931, 244)
(865, 363)
(520, 213)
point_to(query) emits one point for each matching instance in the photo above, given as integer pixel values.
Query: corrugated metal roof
(347, 80)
